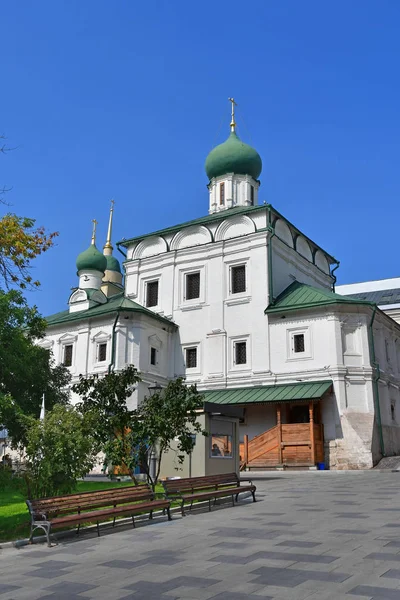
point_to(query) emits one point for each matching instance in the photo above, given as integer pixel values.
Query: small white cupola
(91, 265)
(233, 169)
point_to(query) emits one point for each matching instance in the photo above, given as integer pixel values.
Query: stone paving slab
(310, 536)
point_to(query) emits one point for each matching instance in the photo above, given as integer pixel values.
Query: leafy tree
(60, 449)
(106, 398)
(165, 418)
(26, 370)
(20, 242)
(129, 438)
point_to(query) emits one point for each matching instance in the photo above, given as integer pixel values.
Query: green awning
(260, 394)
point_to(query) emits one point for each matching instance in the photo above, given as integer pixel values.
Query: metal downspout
(375, 380)
(334, 276)
(119, 250)
(271, 231)
(112, 363)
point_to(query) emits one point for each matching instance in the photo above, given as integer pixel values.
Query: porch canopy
(262, 394)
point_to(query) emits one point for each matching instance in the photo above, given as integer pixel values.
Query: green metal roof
(117, 303)
(221, 216)
(289, 392)
(301, 295)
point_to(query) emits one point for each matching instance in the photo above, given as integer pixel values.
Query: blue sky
(125, 99)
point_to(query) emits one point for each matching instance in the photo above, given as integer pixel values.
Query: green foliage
(106, 397)
(129, 438)
(27, 370)
(20, 243)
(59, 450)
(167, 417)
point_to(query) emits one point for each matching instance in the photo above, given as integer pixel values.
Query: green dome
(233, 156)
(113, 264)
(91, 259)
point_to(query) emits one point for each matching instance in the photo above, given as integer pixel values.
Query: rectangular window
(240, 353)
(298, 343)
(252, 195)
(238, 279)
(102, 352)
(221, 446)
(153, 356)
(222, 193)
(67, 361)
(191, 358)
(152, 293)
(192, 286)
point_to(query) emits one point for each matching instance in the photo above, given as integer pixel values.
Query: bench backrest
(200, 483)
(88, 494)
(87, 500)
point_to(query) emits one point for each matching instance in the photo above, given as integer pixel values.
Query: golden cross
(233, 123)
(94, 231)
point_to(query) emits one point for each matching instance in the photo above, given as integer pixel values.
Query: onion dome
(91, 259)
(112, 264)
(233, 156)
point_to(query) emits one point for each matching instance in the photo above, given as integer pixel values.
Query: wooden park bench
(89, 507)
(206, 488)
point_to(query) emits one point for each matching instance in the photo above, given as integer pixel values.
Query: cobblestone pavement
(317, 536)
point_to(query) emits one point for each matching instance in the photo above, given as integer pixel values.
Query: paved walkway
(318, 536)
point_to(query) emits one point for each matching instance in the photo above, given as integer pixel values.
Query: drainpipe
(271, 231)
(111, 366)
(375, 380)
(121, 251)
(334, 276)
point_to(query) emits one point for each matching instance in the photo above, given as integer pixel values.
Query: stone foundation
(353, 450)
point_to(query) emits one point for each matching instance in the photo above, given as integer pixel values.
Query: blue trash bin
(321, 466)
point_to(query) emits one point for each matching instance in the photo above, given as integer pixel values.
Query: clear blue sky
(125, 99)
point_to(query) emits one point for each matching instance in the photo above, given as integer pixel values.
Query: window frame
(196, 303)
(64, 349)
(222, 193)
(291, 333)
(231, 279)
(98, 345)
(187, 275)
(235, 352)
(146, 293)
(233, 365)
(154, 351)
(296, 338)
(188, 349)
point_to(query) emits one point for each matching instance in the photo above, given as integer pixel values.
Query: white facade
(193, 305)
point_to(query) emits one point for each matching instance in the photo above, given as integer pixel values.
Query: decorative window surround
(229, 266)
(155, 348)
(187, 303)
(189, 347)
(234, 366)
(291, 343)
(67, 340)
(100, 338)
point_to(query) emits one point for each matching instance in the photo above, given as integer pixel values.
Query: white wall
(134, 336)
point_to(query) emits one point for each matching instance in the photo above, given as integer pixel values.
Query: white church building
(242, 303)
